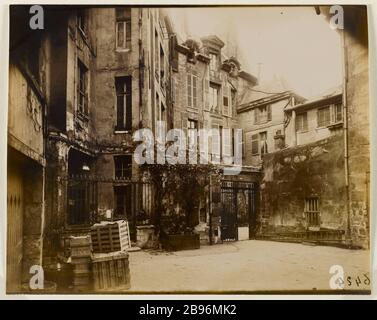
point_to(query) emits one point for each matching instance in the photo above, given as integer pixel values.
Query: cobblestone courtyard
(249, 265)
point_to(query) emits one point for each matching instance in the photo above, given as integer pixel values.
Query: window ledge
(118, 131)
(120, 50)
(336, 125)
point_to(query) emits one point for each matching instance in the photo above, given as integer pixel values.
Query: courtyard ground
(246, 266)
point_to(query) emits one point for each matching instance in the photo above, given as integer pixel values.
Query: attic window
(262, 114)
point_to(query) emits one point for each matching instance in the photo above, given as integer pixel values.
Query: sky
(289, 42)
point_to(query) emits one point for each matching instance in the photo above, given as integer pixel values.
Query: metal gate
(15, 202)
(239, 208)
(132, 200)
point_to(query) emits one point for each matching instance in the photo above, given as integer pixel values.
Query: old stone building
(261, 114)
(206, 87)
(317, 189)
(29, 84)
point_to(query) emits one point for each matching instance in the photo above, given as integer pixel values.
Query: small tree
(178, 186)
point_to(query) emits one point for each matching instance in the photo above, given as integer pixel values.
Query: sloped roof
(269, 89)
(331, 94)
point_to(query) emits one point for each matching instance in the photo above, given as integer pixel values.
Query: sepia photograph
(181, 149)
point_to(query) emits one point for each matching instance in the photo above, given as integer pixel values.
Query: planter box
(145, 237)
(178, 242)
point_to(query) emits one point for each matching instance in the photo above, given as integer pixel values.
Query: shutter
(256, 115)
(194, 90)
(227, 145)
(319, 121)
(189, 88)
(269, 115)
(254, 144)
(305, 120)
(129, 104)
(206, 89)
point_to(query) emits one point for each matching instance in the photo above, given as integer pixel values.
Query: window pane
(124, 103)
(254, 144)
(120, 34)
(324, 118)
(338, 113)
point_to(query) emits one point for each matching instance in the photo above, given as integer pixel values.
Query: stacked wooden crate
(110, 236)
(110, 241)
(81, 259)
(111, 271)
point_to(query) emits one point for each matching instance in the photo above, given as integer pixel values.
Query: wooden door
(15, 199)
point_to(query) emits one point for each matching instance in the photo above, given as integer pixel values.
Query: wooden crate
(110, 236)
(111, 271)
(80, 246)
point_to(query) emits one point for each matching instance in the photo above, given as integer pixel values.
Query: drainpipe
(345, 134)
(141, 69)
(210, 209)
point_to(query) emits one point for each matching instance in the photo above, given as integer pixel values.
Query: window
(123, 29)
(323, 117)
(255, 144)
(259, 143)
(226, 141)
(302, 122)
(82, 86)
(214, 98)
(312, 212)
(213, 62)
(81, 21)
(123, 103)
(262, 114)
(156, 56)
(215, 143)
(192, 124)
(263, 142)
(162, 67)
(226, 108)
(162, 113)
(192, 91)
(338, 113)
(123, 167)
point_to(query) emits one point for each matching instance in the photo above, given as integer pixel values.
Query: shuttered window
(192, 91)
(226, 107)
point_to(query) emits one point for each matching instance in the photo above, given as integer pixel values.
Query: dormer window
(213, 63)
